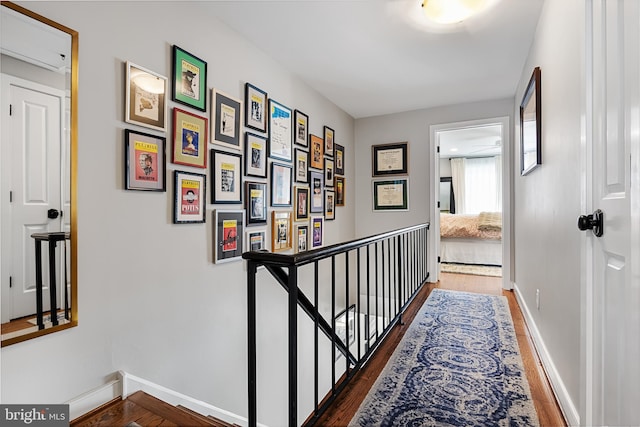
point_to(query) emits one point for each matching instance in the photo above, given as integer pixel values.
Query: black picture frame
(280, 133)
(255, 150)
(226, 173)
(339, 159)
(256, 203)
(316, 191)
(329, 205)
(390, 159)
(301, 164)
(329, 137)
(145, 161)
(189, 77)
(255, 107)
(391, 195)
(226, 120)
(228, 235)
(301, 128)
(189, 197)
(301, 199)
(531, 125)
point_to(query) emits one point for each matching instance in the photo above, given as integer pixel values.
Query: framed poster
(302, 166)
(145, 165)
(316, 184)
(390, 159)
(316, 224)
(189, 79)
(280, 231)
(301, 128)
(329, 137)
(255, 151)
(228, 229)
(146, 98)
(339, 159)
(226, 172)
(391, 195)
(189, 139)
(256, 197)
(328, 172)
(302, 238)
(189, 197)
(226, 119)
(329, 205)
(256, 240)
(280, 184)
(531, 125)
(301, 197)
(280, 145)
(317, 152)
(255, 104)
(339, 191)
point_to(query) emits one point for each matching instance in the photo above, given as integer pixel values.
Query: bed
(471, 239)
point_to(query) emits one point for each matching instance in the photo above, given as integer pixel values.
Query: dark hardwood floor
(549, 413)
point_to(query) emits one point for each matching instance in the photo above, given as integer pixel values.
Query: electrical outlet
(538, 299)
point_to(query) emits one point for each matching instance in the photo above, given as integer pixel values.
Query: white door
(31, 184)
(611, 283)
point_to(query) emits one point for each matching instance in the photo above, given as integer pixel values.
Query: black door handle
(592, 222)
(53, 213)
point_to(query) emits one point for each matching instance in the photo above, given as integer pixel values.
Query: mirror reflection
(38, 75)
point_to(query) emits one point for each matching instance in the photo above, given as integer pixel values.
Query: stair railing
(394, 270)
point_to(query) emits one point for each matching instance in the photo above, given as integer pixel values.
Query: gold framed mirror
(38, 182)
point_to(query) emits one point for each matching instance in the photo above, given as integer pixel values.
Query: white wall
(547, 201)
(445, 167)
(151, 302)
(413, 127)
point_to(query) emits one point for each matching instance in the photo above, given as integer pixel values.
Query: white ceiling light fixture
(148, 82)
(448, 12)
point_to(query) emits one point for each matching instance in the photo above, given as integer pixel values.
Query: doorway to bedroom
(470, 197)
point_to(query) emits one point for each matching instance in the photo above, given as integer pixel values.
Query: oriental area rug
(457, 365)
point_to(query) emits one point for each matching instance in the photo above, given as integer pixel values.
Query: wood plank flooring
(549, 413)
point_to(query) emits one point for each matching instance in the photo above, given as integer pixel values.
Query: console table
(52, 239)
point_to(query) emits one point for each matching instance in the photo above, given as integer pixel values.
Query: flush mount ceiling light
(448, 12)
(147, 82)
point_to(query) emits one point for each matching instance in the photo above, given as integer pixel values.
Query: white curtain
(477, 184)
(458, 183)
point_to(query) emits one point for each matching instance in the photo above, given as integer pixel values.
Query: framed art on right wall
(531, 125)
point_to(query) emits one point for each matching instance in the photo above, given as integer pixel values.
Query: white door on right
(612, 287)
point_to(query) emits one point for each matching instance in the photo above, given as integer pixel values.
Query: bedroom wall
(547, 201)
(411, 126)
(151, 302)
(445, 167)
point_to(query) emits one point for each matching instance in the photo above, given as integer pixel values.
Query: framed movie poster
(280, 144)
(255, 152)
(146, 98)
(316, 150)
(329, 137)
(228, 229)
(256, 200)
(189, 197)
(301, 127)
(316, 224)
(256, 240)
(329, 205)
(255, 104)
(316, 185)
(145, 165)
(280, 184)
(302, 166)
(226, 171)
(301, 197)
(226, 119)
(280, 231)
(189, 139)
(302, 238)
(328, 172)
(340, 191)
(189, 79)
(339, 159)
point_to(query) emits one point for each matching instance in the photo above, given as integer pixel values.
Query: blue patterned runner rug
(457, 365)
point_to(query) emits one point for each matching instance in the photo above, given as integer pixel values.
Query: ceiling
(375, 57)
(479, 141)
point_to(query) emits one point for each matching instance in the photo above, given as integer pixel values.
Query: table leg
(39, 285)
(52, 283)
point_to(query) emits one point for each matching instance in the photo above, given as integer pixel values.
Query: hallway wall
(547, 200)
(151, 301)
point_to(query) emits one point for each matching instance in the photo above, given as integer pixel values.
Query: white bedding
(471, 251)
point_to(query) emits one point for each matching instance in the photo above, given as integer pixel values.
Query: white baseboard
(131, 384)
(92, 399)
(567, 406)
